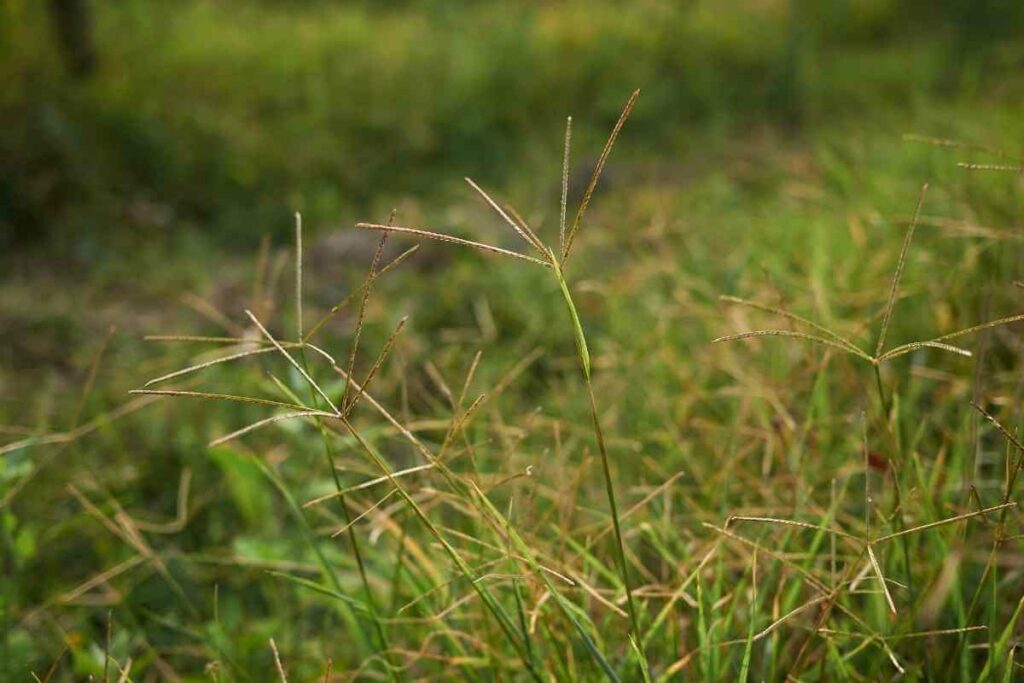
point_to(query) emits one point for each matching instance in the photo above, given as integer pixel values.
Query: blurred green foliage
(224, 116)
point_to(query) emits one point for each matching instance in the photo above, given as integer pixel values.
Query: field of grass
(573, 466)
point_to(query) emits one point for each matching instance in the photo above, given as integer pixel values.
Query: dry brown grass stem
(991, 167)
(393, 263)
(371, 277)
(522, 229)
(295, 364)
(441, 237)
(277, 662)
(565, 184)
(366, 484)
(602, 160)
(956, 144)
(891, 303)
(218, 397)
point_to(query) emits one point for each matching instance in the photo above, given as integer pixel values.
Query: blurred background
(152, 154)
(142, 141)
(147, 145)
(139, 121)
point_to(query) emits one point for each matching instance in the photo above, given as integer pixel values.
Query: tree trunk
(72, 26)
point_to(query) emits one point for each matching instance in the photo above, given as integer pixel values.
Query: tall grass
(813, 512)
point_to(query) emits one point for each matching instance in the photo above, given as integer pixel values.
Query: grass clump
(755, 516)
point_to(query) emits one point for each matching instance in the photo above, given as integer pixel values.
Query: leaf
(323, 590)
(245, 483)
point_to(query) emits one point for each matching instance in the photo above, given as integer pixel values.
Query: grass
(747, 412)
(711, 511)
(276, 109)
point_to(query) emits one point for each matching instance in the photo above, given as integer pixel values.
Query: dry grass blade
(504, 527)
(207, 364)
(797, 335)
(990, 167)
(964, 228)
(521, 222)
(200, 338)
(122, 526)
(294, 363)
(853, 348)
(446, 585)
(125, 671)
(881, 579)
(493, 606)
(891, 303)
(956, 144)
(905, 636)
(786, 617)
(939, 342)
(298, 273)
(394, 263)
(807, 575)
(777, 623)
(565, 183)
(943, 522)
(366, 485)
(277, 662)
(1011, 476)
(458, 423)
(361, 317)
(914, 346)
(678, 594)
(393, 421)
(639, 505)
(381, 357)
(830, 594)
(269, 421)
(44, 440)
(219, 397)
(103, 577)
(788, 522)
(998, 425)
(441, 237)
(592, 592)
(364, 513)
(507, 551)
(522, 230)
(469, 379)
(578, 221)
(982, 326)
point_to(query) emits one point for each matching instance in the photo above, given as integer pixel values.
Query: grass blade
(851, 347)
(796, 335)
(394, 263)
(565, 184)
(578, 221)
(298, 274)
(523, 230)
(323, 590)
(891, 303)
(219, 397)
(441, 237)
